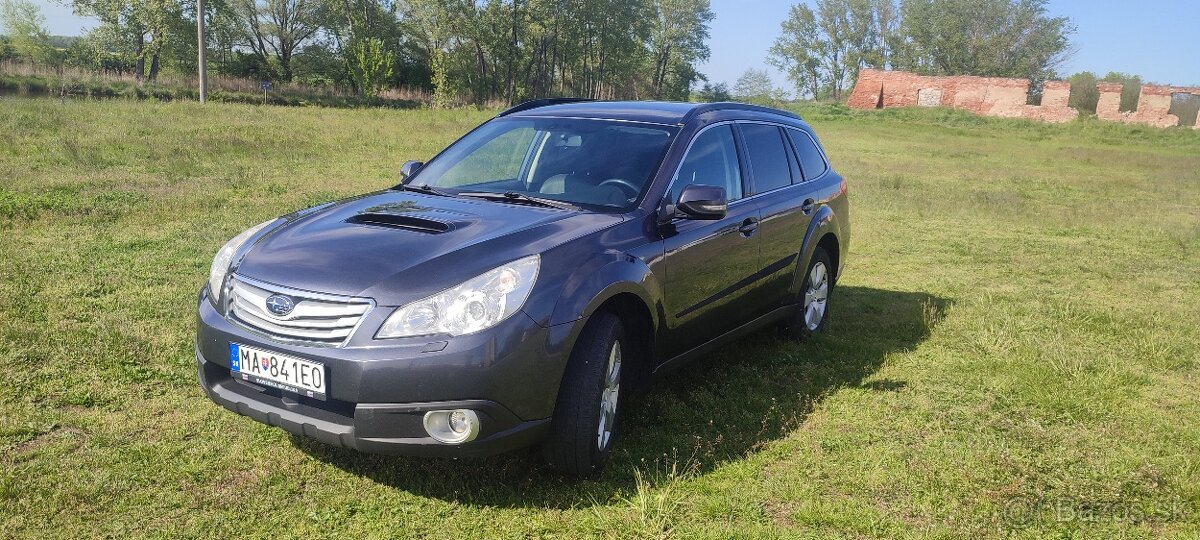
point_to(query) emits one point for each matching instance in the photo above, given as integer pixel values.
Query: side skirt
(775, 315)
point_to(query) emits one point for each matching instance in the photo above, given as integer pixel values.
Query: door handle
(749, 226)
(808, 205)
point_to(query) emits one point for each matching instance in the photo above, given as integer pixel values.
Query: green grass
(1014, 348)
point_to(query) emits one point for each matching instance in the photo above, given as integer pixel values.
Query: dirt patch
(780, 513)
(44, 439)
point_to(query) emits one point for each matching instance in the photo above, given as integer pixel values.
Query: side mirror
(702, 202)
(409, 168)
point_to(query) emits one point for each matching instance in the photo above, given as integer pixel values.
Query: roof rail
(726, 105)
(535, 103)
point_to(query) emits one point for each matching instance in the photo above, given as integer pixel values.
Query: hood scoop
(400, 221)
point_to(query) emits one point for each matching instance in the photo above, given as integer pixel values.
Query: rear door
(709, 263)
(786, 206)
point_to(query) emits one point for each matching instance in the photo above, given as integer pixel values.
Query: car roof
(658, 112)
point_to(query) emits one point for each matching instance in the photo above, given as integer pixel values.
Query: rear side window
(711, 161)
(811, 160)
(768, 157)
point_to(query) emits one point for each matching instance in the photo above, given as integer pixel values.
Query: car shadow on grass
(721, 408)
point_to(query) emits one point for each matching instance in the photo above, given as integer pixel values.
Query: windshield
(598, 163)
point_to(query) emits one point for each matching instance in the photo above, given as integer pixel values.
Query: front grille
(317, 318)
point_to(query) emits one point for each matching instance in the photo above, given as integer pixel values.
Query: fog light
(452, 427)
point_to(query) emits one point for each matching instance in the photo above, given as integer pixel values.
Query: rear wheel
(813, 310)
(585, 417)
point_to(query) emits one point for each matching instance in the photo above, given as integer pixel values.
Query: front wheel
(585, 417)
(813, 310)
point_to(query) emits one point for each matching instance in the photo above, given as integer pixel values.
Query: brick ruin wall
(1007, 98)
(1153, 105)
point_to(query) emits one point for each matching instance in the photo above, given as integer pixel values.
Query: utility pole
(201, 47)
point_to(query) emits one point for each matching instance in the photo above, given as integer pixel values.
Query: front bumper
(378, 393)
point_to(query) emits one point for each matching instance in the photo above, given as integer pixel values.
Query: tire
(578, 444)
(812, 314)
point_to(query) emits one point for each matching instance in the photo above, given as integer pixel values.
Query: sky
(1159, 39)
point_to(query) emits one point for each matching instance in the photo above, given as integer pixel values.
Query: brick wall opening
(1185, 106)
(1034, 95)
(1084, 97)
(1129, 96)
(929, 97)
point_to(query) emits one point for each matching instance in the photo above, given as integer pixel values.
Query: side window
(768, 157)
(498, 159)
(711, 161)
(811, 160)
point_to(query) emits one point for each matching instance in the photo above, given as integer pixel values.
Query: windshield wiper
(515, 196)
(426, 189)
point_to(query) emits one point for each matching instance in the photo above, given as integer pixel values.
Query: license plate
(275, 370)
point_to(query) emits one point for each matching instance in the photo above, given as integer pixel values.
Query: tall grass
(33, 80)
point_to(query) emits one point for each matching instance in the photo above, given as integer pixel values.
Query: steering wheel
(623, 184)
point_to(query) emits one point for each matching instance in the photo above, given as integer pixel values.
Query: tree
(25, 27)
(510, 50)
(887, 26)
(710, 93)
(858, 33)
(797, 51)
(755, 86)
(996, 38)
(822, 51)
(677, 43)
(141, 29)
(465, 51)
(276, 29)
(373, 66)
(1084, 94)
(225, 38)
(432, 22)
(357, 26)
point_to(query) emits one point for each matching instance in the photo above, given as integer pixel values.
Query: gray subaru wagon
(512, 290)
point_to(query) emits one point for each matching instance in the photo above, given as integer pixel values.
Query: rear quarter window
(812, 163)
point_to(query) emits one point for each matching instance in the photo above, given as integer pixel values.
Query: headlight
(220, 265)
(477, 304)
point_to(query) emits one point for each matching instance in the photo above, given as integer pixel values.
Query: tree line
(823, 47)
(487, 51)
(460, 50)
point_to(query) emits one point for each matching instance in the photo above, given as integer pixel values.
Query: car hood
(396, 247)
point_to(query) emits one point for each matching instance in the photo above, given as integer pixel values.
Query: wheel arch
(822, 232)
(625, 276)
(625, 288)
(829, 242)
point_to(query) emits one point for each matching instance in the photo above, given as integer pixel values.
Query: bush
(1084, 94)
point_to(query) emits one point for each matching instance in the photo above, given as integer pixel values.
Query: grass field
(1014, 351)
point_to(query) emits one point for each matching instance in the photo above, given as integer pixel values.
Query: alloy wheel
(816, 295)
(609, 396)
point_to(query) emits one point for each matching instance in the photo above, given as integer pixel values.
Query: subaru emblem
(280, 305)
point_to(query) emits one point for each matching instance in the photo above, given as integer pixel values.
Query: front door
(709, 263)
